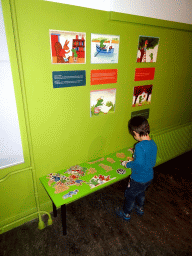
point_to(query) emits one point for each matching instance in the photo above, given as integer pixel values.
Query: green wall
(56, 127)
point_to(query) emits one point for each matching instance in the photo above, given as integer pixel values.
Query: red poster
(103, 76)
(142, 74)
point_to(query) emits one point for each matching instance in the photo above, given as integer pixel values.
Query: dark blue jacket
(144, 160)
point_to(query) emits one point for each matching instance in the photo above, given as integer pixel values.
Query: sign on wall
(103, 76)
(68, 78)
(142, 74)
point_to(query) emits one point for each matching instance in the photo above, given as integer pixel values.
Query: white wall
(11, 152)
(104, 5)
(172, 10)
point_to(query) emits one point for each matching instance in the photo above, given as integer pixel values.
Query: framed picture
(142, 95)
(147, 49)
(67, 47)
(104, 48)
(102, 102)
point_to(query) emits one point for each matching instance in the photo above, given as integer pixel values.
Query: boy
(142, 167)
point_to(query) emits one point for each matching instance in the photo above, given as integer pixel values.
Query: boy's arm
(139, 158)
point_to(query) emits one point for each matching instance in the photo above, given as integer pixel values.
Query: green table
(84, 179)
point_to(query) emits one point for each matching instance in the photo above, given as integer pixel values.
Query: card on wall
(102, 102)
(142, 74)
(103, 76)
(68, 78)
(147, 49)
(143, 112)
(104, 48)
(67, 47)
(142, 95)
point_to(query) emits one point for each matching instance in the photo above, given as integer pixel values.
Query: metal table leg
(54, 210)
(63, 218)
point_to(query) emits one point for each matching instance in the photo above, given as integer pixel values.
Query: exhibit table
(71, 184)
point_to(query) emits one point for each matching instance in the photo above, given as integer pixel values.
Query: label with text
(103, 76)
(142, 74)
(68, 78)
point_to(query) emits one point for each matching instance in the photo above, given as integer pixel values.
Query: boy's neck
(145, 138)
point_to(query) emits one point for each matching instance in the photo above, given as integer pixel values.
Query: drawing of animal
(65, 49)
(58, 49)
(105, 109)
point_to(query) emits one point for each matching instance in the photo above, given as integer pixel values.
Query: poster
(147, 49)
(102, 102)
(67, 47)
(142, 95)
(103, 76)
(104, 48)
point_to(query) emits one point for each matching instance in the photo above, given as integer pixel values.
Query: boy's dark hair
(140, 125)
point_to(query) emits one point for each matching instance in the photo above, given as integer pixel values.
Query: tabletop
(71, 184)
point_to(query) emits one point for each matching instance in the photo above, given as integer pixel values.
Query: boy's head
(139, 125)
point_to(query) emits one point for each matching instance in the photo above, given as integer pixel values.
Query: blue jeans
(135, 195)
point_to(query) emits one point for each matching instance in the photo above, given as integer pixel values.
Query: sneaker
(119, 211)
(139, 210)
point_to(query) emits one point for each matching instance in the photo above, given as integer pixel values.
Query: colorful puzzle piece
(79, 182)
(62, 183)
(70, 194)
(77, 170)
(99, 180)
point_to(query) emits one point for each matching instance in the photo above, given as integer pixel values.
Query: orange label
(103, 76)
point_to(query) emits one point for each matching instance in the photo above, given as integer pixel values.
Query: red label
(142, 74)
(104, 76)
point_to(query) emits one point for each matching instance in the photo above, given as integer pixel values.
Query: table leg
(63, 218)
(54, 210)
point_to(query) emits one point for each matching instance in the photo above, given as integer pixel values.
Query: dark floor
(93, 229)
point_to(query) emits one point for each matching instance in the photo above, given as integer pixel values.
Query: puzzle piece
(79, 182)
(77, 170)
(120, 155)
(50, 183)
(70, 194)
(62, 183)
(91, 171)
(99, 160)
(111, 160)
(106, 167)
(99, 180)
(121, 171)
(60, 188)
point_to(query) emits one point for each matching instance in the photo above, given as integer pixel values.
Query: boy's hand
(124, 163)
(131, 150)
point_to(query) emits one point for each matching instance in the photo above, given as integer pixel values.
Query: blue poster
(68, 78)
